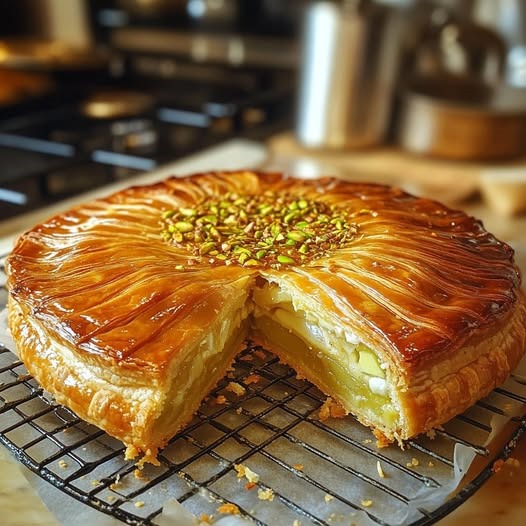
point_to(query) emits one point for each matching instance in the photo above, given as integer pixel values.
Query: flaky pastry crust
(105, 311)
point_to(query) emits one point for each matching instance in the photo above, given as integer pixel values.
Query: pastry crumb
(497, 465)
(139, 504)
(63, 464)
(207, 519)
(431, 464)
(249, 486)
(240, 469)
(247, 358)
(328, 498)
(367, 503)
(220, 400)
(111, 498)
(236, 388)
(95, 482)
(244, 471)
(260, 354)
(331, 409)
(252, 379)
(414, 463)
(239, 410)
(381, 440)
(117, 484)
(380, 470)
(266, 494)
(131, 452)
(367, 441)
(299, 467)
(228, 509)
(296, 522)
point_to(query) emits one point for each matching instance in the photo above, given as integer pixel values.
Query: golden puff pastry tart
(130, 309)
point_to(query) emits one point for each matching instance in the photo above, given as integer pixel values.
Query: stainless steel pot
(349, 66)
(459, 118)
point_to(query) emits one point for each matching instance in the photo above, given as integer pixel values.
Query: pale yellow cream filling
(335, 360)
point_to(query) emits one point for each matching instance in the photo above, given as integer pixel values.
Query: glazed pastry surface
(134, 285)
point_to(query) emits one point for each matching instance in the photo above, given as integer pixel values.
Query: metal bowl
(459, 118)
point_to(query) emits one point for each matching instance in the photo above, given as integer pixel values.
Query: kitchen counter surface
(501, 500)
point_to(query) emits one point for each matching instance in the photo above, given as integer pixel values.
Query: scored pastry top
(119, 276)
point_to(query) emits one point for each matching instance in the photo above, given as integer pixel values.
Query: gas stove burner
(138, 135)
(116, 104)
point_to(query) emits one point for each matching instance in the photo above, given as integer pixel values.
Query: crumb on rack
(236, 388)
(205, 518)
(219, 400)
(431, 434)
(249, 486)
(63, 464)
(431, 464)
(299, 467)
(239, 410)
(381, 440)
(260, 354)
(228, 509)
(95, 482)
(331, 409)
(252, 379)
(266, 494)
(296, 522)
(380, 470)
(497, 465)
(414, 463)
(328, 497)
(111, 498)
(367, 503)
(244, 471)
(117, 484)
(139, 504)
(247, 358)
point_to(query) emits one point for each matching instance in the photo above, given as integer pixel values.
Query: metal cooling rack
(320, 473)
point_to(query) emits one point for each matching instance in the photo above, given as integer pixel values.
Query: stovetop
(80, 137)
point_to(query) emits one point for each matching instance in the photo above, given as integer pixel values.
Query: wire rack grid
(309, 471)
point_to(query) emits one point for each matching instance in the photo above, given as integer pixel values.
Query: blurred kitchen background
(430, 96)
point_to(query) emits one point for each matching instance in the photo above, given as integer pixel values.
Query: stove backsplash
(179, 76)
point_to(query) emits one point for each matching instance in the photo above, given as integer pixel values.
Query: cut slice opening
(332, 358)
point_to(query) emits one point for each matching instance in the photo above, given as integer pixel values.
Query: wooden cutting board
(502, 185)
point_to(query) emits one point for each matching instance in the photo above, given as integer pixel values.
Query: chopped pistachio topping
(266, 230)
